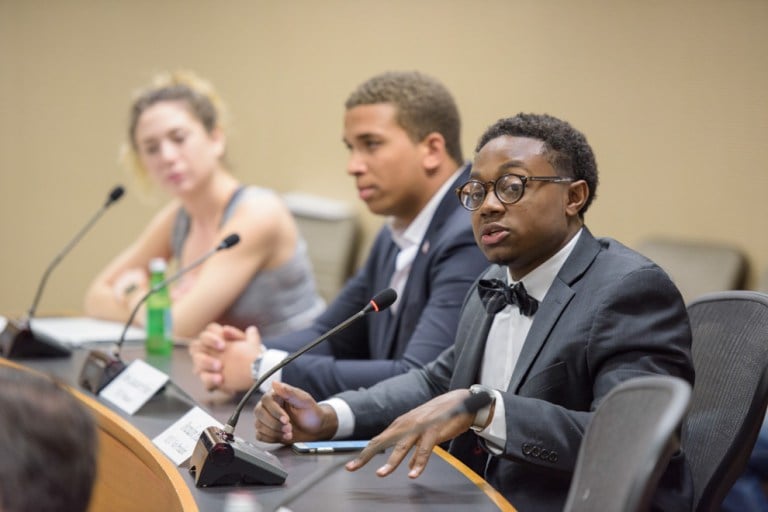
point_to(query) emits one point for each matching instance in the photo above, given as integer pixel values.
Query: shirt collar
(414, 233)
(538, 280)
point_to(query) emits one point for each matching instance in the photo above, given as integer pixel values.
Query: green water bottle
(159, 327)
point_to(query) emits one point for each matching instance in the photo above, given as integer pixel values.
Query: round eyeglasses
(509, 189)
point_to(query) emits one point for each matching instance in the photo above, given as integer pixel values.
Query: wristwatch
(256, 367)
(483, 416)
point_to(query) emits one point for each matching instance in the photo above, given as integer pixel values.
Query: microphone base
(99, 370)
(220, 459)
(17, 341)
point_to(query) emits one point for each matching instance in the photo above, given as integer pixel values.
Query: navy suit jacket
(381, 345)
(610, 315)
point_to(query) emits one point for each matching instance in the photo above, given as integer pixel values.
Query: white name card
(178, 441)
(134, 386)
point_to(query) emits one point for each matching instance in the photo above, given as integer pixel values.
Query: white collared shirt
(506, 338)
(408, 239)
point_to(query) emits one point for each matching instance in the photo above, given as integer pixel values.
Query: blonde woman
(176, 141)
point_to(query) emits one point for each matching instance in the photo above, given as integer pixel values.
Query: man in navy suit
(559, 320)
(403, 135)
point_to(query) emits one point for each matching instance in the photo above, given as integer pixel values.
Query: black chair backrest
(730, 394)
(627, 445)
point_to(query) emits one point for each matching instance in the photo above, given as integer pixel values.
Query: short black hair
(424, 105)
(49, 445)
(565, 147)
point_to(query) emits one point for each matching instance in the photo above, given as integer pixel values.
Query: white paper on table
(178, 441)
(134, 386)
(77, 330)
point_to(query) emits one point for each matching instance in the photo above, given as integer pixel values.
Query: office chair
(762, 284)
(697, 267)
(627, 445)
(730, 394)
(332, 233)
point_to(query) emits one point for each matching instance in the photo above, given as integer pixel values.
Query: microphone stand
(229, 428)
(17, 339)
(101, 368)
(219, 458)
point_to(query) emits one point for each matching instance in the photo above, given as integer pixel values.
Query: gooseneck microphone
(221, 459)
(114, 195)
(380, 302)
(101, 368)
(17, 339)
(470, 405)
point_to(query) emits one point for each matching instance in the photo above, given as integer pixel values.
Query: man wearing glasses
(402, 130)
(559, 320)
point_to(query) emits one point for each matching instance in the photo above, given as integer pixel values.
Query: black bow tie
(496, 295)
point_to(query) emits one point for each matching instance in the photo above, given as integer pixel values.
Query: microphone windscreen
(475, 402)
(384, 299)
(231, 240)
(115, 194)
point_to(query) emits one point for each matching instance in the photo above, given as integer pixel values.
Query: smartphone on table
(329, 446)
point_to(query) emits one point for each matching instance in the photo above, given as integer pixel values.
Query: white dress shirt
(409, 239)
(506, 338)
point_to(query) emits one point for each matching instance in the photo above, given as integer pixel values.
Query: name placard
(134, 386)
(178, 441)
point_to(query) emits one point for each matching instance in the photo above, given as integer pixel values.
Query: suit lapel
(448, 204)
(469, 358)
(557, 298)
(444, 210)
(550, 309)
(472, 335)
(386, 323)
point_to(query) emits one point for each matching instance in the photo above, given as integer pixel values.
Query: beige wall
(672, 95)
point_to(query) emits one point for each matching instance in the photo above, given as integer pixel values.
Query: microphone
(101, 368)
(470, 405)
(17, 339)
(221, 459)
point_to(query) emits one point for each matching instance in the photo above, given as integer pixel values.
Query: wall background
(671, 94)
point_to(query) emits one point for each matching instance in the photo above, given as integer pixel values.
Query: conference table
(445, 485)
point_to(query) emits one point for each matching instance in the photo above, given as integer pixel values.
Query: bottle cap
(157, 265)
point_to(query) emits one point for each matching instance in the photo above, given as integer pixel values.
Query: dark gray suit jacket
(610, 315)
